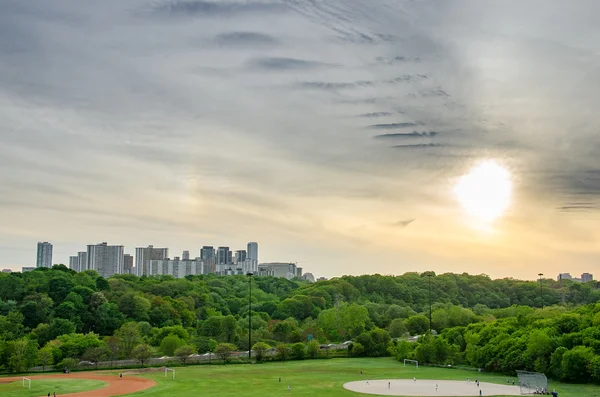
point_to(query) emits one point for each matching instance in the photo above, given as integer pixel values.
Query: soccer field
(41, 387)
(310, 378)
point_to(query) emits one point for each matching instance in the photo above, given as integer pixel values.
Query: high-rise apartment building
(44, 254)
(74, 263)
(106, 259)
(278, 269)
(224, 256)
(252, 251)
(144, 255)
(175, 267)
(240, 256)
(127, 264)
(82, 256)
(585, 277)
(186, 255)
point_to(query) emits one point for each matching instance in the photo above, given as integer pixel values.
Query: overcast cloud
(331, 132)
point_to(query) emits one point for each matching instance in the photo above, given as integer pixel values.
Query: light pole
(541, 289)
(249, 274)
(429, 276)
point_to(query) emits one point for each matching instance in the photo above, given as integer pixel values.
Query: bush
(298, 351)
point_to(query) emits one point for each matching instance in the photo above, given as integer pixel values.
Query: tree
(313, 349)
(23, 354)
(417, 325)
(45, 357)
(61, 326)
(169, 344)
(260, 348)
(95, 354)
(113, 344)
(224, 351)
(184, 352)
(298, 351)
(135, 306)
(397, 328)
(575, 364)
(142, 353)
(283, 351)
(130, 337)
(357, 350)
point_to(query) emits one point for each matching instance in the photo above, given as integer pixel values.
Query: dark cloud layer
(246, 39)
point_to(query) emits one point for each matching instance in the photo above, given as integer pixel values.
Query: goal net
(411, 362)
(532, 382)
(167, 372)
(28, 382)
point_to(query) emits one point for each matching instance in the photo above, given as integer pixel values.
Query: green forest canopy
(48, 316)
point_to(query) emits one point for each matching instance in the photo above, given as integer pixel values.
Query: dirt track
(115, 386)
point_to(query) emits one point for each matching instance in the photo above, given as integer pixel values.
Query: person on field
(121, 376)
(389, 384)
(289, 388)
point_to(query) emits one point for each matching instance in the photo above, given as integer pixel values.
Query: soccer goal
(28, 382)
(411, 362)
(532, 382)
(167, 372)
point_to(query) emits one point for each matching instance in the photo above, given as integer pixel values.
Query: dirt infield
(115, 386)
(427, 387)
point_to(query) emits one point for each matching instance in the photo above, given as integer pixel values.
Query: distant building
(322, 279)
(309, 277)
(143, 256)
(74, 263)
(106, 259)
(252, 251)
(298, 272)
(175, 267)
(247, 266)
(240, 256)
(564, 276)
(224, 256)
(44, 254)
(83, 262)
(28, 269)
(185, 255)
(278, 269)
(128, 264)
(6, 271)
(585, 277)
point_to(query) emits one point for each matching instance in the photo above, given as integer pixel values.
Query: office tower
(44, 254)
(240, 256)
(82, 260)
(185, 256)
(585, 277)
(127, 264)
(106, 259)
(74, 263)
(144, 255)
(223, 256)
(253, 251)
(207, 252)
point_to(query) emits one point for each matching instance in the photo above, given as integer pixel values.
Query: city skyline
(349, 136)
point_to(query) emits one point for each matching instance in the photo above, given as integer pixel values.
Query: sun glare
(485, 191)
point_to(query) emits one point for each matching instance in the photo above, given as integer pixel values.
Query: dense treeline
(58, 317)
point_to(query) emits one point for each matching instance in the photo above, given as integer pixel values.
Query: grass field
(41, 387)
(321, 378)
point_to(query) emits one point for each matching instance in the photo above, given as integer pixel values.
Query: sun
(485, 192)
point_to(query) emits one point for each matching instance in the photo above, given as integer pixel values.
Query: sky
(333, 133)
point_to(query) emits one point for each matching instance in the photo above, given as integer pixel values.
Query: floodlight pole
(249, 274)
(541, 289)
(429, 276)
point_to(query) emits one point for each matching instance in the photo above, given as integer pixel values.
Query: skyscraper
(127, 264)
(586, 277)
(240, 256)
(74, 263)
(185, 256)
(253, 251)
(105, 259)
(82, 261)
(223, 256)
(207, 256)
(44, 254)
(143, 256)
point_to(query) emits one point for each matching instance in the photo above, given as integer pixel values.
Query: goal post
(28, 382)
(167, 372)
(411, 362)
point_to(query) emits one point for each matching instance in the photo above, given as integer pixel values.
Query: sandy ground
(426, 387)
(114, 387)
